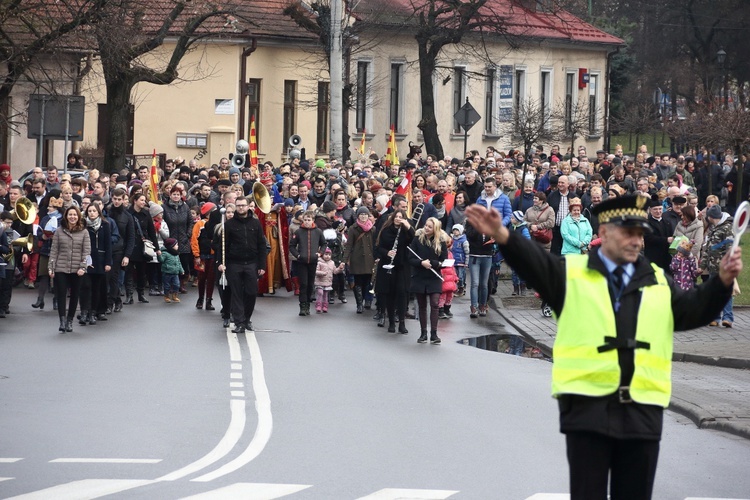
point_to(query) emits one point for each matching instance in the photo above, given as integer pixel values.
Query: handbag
(149, 249)
(542, 235)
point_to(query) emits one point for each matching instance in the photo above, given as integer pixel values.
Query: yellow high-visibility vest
(587, 317)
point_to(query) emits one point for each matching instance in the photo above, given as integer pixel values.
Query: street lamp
(721, 57)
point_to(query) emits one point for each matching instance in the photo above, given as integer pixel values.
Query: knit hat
(4, 166)
(363, 210)
(460, 228)
(685, 247)
(714, 212)
(518, 215)
(169, 243)
(328, 206)
(207, 207)
(155, 209)
(382, 200)
(327, 250)
(320, 164)
(288, 202)
(334, 172)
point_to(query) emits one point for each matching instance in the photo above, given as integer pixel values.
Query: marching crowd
(391, 235)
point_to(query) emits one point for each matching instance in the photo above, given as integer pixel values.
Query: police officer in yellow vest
(616, 314)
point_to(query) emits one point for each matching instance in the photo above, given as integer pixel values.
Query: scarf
(94, 224)
(366, 226)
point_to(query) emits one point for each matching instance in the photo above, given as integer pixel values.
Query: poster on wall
(505, 93)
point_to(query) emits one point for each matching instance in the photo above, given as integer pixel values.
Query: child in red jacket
(450, 285)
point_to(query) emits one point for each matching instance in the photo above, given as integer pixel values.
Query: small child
(171, 268)
(450, 280)
(684, 266)
(324, 280)
(518, 224)
(460, 250)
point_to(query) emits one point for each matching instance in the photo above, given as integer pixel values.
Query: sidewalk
(711, 373)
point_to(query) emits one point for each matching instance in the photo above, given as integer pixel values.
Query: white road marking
(105, 461)
(236, 366)
(404, 494)
(256, 491)
(236, 384)
(84, 489)
(235, 375)
(234, 346)
(230, 439)
(549, 496)
(265, 417)
(6, 478)
(10, 460)
(238, 394)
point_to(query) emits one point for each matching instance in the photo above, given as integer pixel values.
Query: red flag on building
(154, 180)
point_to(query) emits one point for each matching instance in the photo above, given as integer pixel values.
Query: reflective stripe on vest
(587, 317)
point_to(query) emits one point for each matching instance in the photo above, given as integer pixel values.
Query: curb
(737, 363)
(704, 420)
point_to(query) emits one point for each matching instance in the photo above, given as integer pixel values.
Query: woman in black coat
(429, 251)
(180, 224)
(144, 230)
(94, 283)
(392, 284)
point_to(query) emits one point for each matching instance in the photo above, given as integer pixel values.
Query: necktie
(617, 285)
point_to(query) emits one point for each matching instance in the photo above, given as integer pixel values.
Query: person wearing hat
(616, 314)
(203, 257)
(575, 230)
(656, 242)
(716, 245)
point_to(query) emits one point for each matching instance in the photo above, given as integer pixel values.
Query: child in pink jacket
(324, 280)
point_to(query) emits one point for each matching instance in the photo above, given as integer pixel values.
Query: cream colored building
(279, 76)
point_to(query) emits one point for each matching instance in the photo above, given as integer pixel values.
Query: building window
(519, 88)
(363, 68)
(290, 108)
(253, 99)
(545, 97)
(570, 79)
(459, 93)
(489, 101)
(323, 117)
(397, 83)
(593, 104)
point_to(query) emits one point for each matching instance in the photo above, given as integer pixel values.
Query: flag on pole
(404, 189)
(154, 180)
(362, 144)
(253, 147)
(391, 155)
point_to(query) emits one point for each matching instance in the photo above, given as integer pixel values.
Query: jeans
(461, 273)
(171, 283)
(479, 267)
(516, 279)
(727, 314)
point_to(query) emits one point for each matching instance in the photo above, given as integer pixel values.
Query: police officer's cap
(625, 211)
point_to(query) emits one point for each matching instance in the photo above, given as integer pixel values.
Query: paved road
(712, 384)
(163, 403)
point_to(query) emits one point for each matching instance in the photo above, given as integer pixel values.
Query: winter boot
(448, 312)
(92, 317)
(523, 289)
(62, 325)
(199, 304)
(83, 320)
(441, 313)
(422, 338)
(359, 299)
(128, 298)
(302, 309)
(168, 298)
(391, 324)
(434, 339)
(142, 298)
(175, 298)
(516, 290)
(209, 305)
(402, 328)
(39, 304)
(69, 325)
(307, 309)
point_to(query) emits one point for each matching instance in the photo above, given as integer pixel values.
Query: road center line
(105, 461)
(10, 460)
(265, 417)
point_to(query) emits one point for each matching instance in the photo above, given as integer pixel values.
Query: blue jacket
(500, 202)
(523, 202)
(576, 235)
(459, 252)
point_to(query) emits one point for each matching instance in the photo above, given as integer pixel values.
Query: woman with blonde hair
(427, 252)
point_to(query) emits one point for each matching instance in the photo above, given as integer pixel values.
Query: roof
(516, 20)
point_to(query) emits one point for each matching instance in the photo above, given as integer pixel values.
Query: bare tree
(638, 119)
(531, 125)
(129, 31)
(573, 120)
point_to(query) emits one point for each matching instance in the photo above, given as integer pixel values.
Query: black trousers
(135, 277)
(243, 280)
(557, 241)
(93, 293)
(113, 280)
(306, 275)
(629, 465)
(63, 282)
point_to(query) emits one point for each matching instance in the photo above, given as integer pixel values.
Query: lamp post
(721, 57)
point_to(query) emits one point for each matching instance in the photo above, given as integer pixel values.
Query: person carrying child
(324, 280)
(171, 269)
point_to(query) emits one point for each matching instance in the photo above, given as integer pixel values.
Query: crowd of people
(380, 232)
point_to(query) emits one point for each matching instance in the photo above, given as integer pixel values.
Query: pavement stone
(711, 372)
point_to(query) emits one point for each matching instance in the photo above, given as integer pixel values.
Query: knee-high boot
(359, 298)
